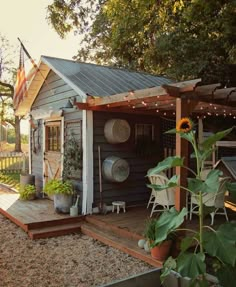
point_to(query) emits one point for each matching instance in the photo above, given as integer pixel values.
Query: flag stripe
(21, 79)
(21, 85)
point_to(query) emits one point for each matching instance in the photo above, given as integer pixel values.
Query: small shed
(88, 102)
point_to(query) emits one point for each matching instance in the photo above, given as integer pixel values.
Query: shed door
(53, 150)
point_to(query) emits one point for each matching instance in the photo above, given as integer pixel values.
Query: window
(144, 132)
(53, 136)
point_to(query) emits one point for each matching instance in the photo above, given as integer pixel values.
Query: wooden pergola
(178, 100)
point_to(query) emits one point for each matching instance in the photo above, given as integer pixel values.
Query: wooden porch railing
(11, 162)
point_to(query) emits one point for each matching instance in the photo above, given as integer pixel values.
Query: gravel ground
(66, 261)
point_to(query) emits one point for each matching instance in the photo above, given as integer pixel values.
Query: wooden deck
(121, 231)
(37, 217)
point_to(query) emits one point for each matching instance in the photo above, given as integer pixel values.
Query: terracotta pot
(161, 251)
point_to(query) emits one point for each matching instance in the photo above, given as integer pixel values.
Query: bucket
(74, 211)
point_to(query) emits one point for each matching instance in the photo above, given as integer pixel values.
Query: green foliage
(167, 163)
(27, 192)
(217, 243)
(180, 38)
(72, 158)
(12, 179)
(160, 229)
(57, 186)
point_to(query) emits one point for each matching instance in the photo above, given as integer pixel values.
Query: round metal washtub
(115, 169)
(117, 131)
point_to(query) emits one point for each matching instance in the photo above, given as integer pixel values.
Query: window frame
(53, 136)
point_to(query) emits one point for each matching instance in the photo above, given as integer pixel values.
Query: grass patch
(11, 179)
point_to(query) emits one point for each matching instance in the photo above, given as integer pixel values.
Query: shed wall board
(133, 190)
(53, 94)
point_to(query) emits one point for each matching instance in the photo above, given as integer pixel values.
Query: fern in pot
(63, 194)
(27, 192)
(198, 246)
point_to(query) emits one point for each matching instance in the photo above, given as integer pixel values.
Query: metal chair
(164, 198)
(215, 200)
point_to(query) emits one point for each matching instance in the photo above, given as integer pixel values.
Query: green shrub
(27, 192)
(57, 186)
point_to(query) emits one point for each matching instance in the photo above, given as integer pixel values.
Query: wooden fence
(11, 162)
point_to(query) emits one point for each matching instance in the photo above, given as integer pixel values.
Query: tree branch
(9, 86)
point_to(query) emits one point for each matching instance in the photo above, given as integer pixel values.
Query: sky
(26, 19)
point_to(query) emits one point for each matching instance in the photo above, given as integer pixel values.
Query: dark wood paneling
(133, 190)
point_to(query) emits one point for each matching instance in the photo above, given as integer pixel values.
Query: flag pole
(34, 64)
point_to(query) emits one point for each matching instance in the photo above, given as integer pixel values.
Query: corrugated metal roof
(99, 80)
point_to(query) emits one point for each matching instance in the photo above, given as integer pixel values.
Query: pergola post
(182, 110)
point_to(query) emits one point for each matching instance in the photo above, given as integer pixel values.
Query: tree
(7, 75)
(183, 39)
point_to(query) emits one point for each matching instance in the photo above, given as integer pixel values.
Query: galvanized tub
(115, 169)
(117, 131)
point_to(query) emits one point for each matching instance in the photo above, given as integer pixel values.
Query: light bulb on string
(143, 103)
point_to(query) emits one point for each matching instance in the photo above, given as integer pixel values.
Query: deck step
(123, 232)
(126, 245)
(55, 222)
(53, 231)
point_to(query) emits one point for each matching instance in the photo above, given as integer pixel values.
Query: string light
(157, 111)
(145, 104)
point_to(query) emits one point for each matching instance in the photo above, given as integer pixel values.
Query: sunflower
(184, 125)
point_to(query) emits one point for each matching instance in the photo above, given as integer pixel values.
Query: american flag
(21, 82)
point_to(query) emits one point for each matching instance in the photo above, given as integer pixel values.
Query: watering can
(74, 210)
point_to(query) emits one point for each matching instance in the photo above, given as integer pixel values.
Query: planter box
(152, 279)
(147, 279)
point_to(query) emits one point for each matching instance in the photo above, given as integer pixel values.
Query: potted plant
(27, 192)
(160, 245)
(62, 192)
(205, 243)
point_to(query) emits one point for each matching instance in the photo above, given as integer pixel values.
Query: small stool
(117, 205)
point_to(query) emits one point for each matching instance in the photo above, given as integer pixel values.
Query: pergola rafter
(211, 99)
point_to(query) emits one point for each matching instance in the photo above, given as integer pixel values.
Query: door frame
(61, 119)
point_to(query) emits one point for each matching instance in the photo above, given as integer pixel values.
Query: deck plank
(28, 211)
